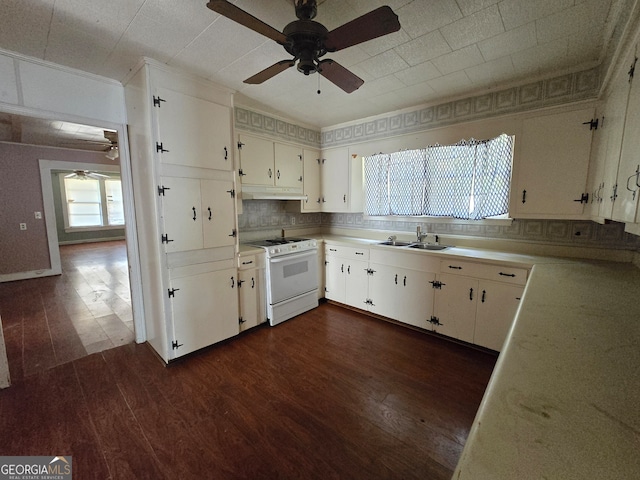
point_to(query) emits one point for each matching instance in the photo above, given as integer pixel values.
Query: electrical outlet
(293, 220)
(23, 226)
(38, 215)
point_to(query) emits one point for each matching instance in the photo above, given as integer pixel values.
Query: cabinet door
(497, 306)
(202, 310)
(628, 191)
(181, 214)
(335, 279)
(455, 307)
(311, 180)
(356, 284)
(334, 180)
(612, 129)
(288, 165)
(194, 132)
(256, 160)
(252, 300)
(415, 295)
(218, 214)
(382, 291)
(553, 165)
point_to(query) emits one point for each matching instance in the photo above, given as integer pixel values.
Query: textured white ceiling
(445, 48)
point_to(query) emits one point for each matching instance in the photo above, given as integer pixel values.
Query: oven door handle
(294, 256)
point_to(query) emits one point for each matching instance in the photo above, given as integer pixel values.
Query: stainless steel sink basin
(428, 246)
(396, 243)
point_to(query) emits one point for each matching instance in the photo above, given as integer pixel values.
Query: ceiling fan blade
(269, 72)
(374, 24)
(236, 14)
(343, 78)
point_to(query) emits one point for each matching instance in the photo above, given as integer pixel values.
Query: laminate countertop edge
(562, 402)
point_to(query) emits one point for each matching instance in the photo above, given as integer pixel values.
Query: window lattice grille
(468, 180)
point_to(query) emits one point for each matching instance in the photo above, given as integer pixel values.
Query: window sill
(93, 228)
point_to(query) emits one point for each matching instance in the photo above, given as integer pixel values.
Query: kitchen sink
(428, 246)
(395, 243)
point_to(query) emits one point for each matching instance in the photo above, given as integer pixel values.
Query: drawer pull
(333, 250)
(359, 253)
(507, 274)
(471, 294)
(455, 267)
(248, 263)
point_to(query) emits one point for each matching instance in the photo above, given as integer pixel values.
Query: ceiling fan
(109, 145)
(85, 175)
(308, 41)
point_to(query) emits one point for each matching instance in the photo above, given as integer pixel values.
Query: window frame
(497, 220)
(103, 206)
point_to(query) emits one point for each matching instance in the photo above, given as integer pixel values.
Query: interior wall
(21, 196)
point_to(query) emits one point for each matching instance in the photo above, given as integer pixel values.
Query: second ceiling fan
(308, 41)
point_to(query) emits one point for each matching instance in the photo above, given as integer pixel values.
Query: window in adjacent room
(469, 180)
(90, 203)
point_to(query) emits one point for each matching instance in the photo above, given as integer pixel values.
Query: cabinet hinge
(437, 284)
(165, 238)
(593, 123)
(232, 192)
(368, 301)
(175, 345)
(584, 198)
(233, 233)
(632, 70)
(241, 321)
(172, 292)
(370, 271)
(240, 145)
(161, 190)
(160, 148)
(240, 282)
(434, 320)
(157, 100)
(241, 173)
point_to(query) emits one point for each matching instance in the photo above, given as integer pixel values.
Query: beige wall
(21, 196)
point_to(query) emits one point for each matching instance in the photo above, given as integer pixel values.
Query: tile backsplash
(264, 218)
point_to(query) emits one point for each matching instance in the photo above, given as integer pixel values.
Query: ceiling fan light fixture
(112, 153)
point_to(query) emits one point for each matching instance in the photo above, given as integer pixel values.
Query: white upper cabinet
(550, 171)
(197, 213)
(311, 180)
(193, 132)
(341, 181)
(270, 164)
(625, 206)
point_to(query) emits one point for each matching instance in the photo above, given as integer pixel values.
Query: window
(468, 180)
(92, 203)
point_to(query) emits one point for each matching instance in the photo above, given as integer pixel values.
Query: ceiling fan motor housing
(306, 43)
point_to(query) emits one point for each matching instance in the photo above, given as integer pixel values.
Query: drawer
(350, 253)
(247, 262)
(496, 273)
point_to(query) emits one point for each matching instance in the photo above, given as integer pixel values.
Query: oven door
(292, 275)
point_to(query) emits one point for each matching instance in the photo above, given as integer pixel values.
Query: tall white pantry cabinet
(180, 132)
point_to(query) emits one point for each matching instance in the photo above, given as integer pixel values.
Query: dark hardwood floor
(329, 394)
(51, 321)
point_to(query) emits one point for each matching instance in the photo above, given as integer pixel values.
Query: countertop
(563, 400)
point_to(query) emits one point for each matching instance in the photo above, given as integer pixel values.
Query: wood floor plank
(126, 450)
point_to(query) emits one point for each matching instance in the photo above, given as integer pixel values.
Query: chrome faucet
(392, 239)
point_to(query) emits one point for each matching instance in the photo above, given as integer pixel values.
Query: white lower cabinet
(466, 300)
(497, 306)
(346, 275)
(455, 307)
(199, 302)
(251, 290)
(401, 294)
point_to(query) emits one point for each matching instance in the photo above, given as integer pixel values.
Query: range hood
(258, 192)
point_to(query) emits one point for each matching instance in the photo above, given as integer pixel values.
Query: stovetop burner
(278, 241)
